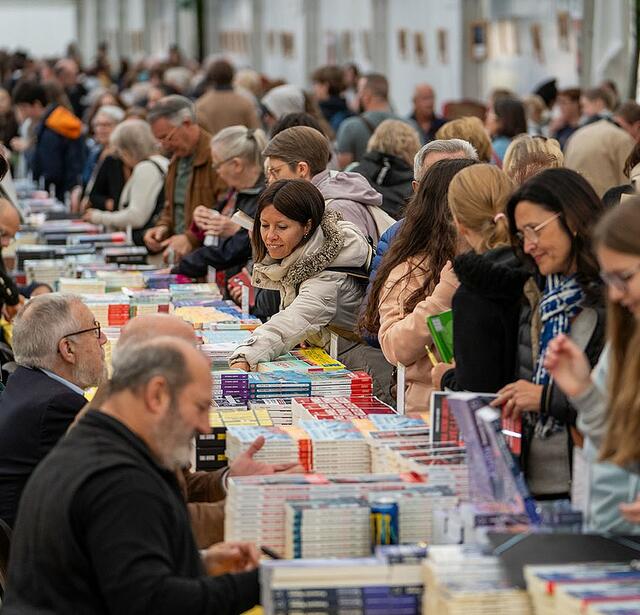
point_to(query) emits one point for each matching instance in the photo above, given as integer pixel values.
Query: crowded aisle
(272, 350)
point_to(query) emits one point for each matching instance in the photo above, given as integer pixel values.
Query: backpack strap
(368, 123)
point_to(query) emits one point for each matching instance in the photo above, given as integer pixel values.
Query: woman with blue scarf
(550, 219)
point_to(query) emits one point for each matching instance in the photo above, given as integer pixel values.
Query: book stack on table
(388, 584)
(582, 588)
(263, 498)
(461, 580)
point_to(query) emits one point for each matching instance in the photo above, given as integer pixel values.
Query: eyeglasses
(532, 233)
(272, 172)
(620, 280)
(217, 165)
(95, 328)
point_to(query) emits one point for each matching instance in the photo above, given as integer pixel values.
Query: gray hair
(39, 327)
(240, 142)
(174, 108)
(134, 137)
(115, 114)
(442, 146)
(134, 364)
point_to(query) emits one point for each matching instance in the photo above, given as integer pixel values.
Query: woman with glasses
(236, 155)
(608, 398)
(142, 197)
(550, 221)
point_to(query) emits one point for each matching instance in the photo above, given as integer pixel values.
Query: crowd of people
(354, 222)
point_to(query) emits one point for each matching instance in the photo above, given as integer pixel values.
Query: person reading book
(306, 253)
(415, 279)
(486, 306)
(608, 398)
(551, 217)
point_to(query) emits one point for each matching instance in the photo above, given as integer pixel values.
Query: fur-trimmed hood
(335, 243)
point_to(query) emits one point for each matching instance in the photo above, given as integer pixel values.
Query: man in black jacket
(103, 527)
(58, 347)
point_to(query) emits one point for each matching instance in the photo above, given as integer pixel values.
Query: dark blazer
(35, 412)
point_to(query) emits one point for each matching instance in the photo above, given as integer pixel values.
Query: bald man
(204, 491)
(424, 114)
(9, 225)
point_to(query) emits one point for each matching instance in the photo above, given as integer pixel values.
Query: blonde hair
(478, 196)
(135, 138)
(523, 149)
(469, 129)
(619, 230)
(240, 142)
(396, 138)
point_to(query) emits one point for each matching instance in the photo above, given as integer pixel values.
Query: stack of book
(327, 528)
(220, 345)
(115, 280)
(180, 291)
(284, 384)
(262, 499)
(157, 280)
(234, 382)
(460, 580)
(278, 409)
(109, 309)
(279, 446)
(47, 271)
(224, 412)
(388, 584)
(614, 607)
(576, 599)
(82, 286)
(303, 360)
(544, 583)
(333, 447)
(337, 408)
(148, 301)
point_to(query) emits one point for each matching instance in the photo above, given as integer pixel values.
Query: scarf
(561, 302)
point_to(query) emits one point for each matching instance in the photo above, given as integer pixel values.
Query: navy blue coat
(60, 150)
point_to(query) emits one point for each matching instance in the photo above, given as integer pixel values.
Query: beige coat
(311, 297)
(598, 152)
(218, 109)
(403, 336)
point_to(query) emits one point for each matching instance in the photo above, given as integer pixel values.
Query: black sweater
(486, 311)
(103, 528)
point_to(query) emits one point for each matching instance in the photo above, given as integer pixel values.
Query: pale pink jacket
(403, 336)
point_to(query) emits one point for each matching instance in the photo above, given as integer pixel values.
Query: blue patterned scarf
(561, 302)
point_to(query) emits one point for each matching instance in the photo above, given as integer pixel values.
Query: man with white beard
(58, 347)
(102, 525)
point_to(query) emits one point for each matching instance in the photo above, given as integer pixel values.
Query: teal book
(441, 329)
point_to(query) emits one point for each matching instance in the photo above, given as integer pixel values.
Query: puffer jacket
(547, 463)
(403, 336)
(312, 296)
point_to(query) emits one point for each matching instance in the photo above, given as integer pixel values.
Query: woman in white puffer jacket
(302, 251)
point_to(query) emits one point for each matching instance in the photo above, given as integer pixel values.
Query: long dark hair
(565, 192)
(511, 114)
(297, 199)
(427, 233)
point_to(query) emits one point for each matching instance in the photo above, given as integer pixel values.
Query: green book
(441, 329)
